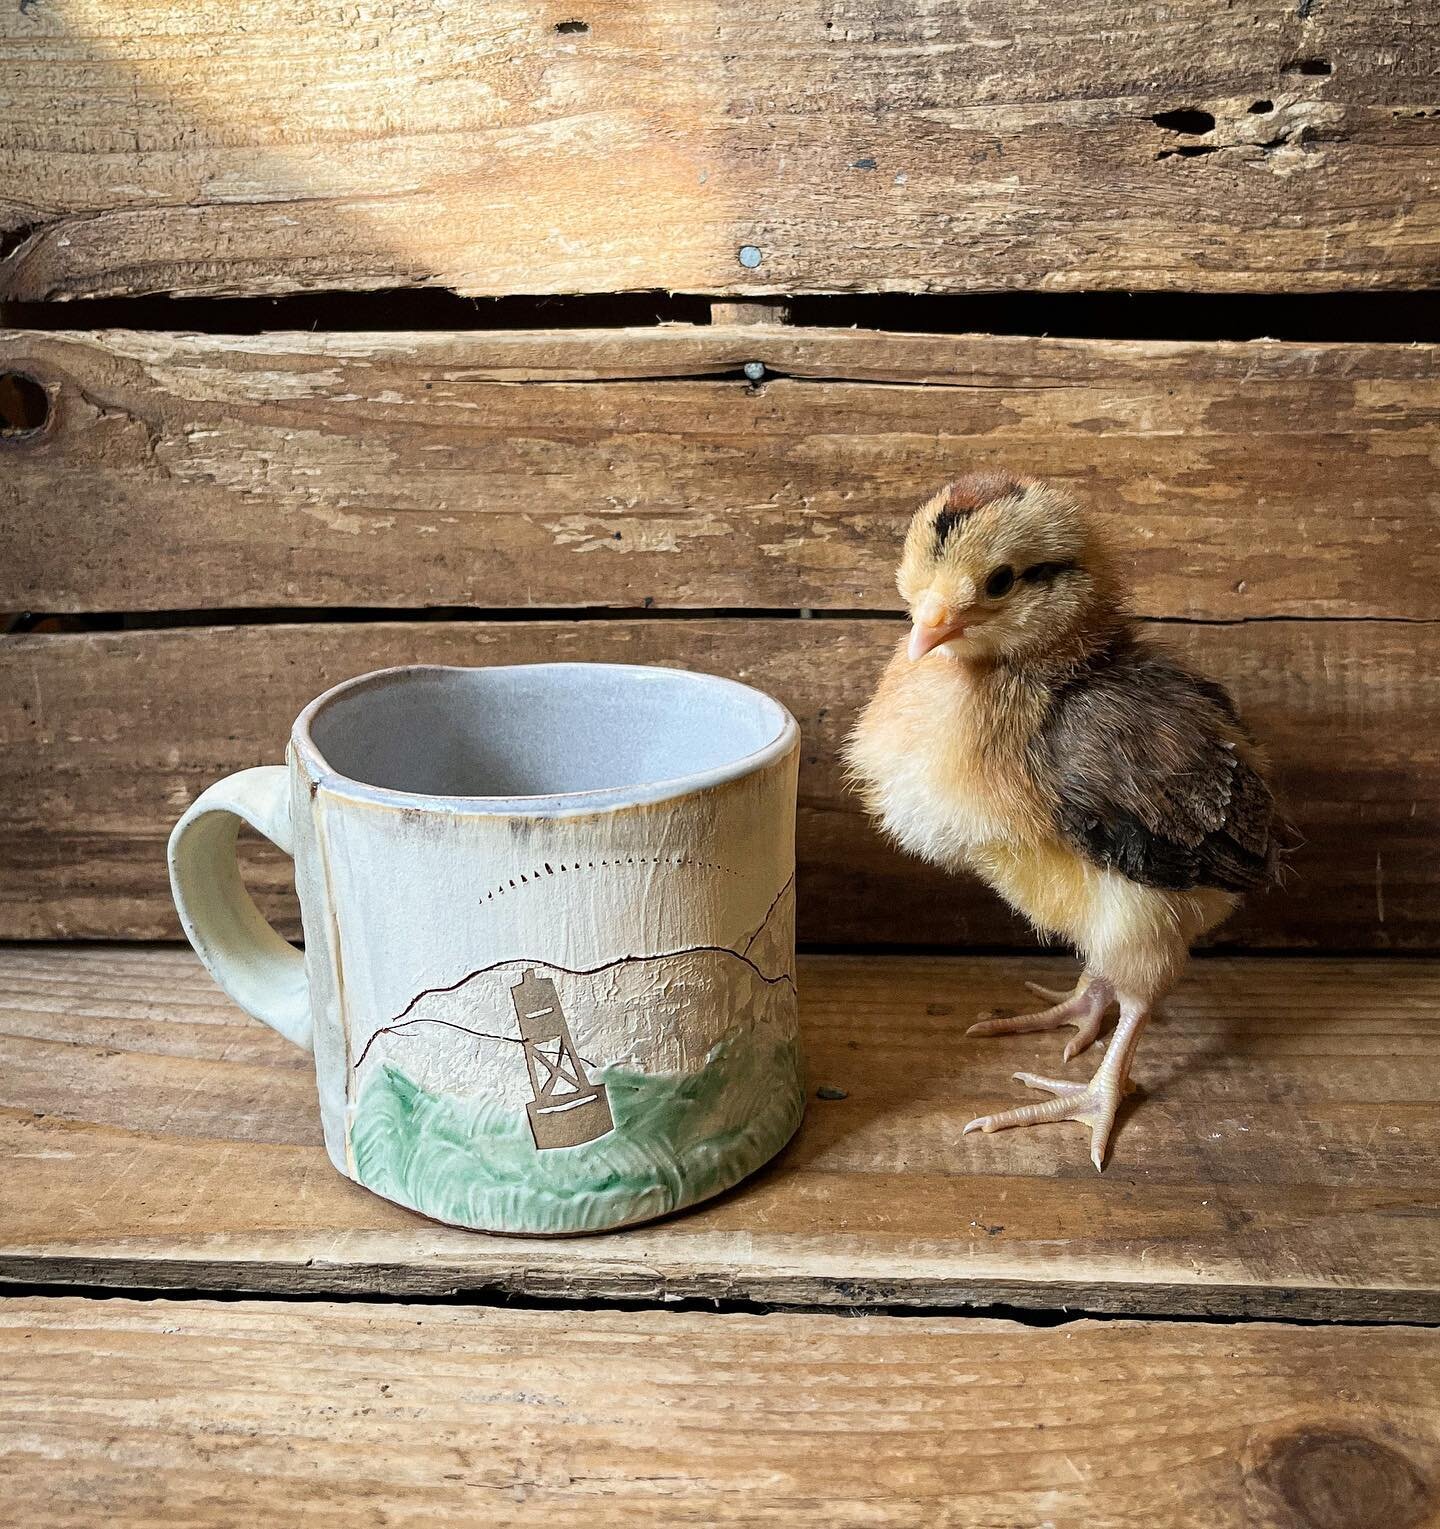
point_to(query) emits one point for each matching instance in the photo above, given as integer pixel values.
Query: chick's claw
(1085, 1008)
(1091, 1104)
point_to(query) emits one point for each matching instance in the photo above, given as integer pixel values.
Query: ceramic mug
(548, 974)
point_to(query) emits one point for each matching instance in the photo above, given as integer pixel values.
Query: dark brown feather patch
(1152, 775)
(945, 523)
(1046, 573)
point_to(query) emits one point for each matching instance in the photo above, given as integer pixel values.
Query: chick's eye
(1000, 582)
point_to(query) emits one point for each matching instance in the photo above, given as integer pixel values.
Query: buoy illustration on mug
(568, 1109)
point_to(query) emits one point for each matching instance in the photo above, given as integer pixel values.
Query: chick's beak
(935, 622)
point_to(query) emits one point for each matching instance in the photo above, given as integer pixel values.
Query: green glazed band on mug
(549, 916)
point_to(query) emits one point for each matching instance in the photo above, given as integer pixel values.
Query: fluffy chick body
(1027, 733)
(941, 759)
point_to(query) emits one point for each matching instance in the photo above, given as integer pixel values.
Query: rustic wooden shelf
(1283, 1162)
(213, 1413)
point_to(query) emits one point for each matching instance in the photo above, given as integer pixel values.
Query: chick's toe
(1085, 1008)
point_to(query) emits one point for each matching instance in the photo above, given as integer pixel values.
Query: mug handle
(262, 972)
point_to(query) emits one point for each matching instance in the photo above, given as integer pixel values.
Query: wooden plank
(143, 1413)
(411, 469)
(224, 147)
(760, 310)
(1280, 1160)
(104, 738)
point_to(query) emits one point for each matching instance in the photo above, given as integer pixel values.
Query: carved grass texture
(677, 1139)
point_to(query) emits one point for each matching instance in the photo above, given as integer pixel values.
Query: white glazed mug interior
(541, 737)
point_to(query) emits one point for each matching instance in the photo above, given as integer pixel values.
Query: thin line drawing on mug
(400, 1021)
(570, 971)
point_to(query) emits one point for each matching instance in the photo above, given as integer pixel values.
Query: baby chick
(1026, 731)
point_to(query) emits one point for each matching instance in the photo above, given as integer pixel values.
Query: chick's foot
(1085, 1008)
(1091, 1104)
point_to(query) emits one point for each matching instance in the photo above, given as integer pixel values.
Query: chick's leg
(1091, 1104)
(1085, 1008)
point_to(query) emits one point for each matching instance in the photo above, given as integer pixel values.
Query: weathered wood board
(104, 739)
(1280, 1159)
(143, 1413)
(224, 146)
(600, 468)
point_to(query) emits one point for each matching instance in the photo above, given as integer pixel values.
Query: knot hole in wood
(24, 406)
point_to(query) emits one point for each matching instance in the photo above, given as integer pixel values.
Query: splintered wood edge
(258, 1277)
(815, 353)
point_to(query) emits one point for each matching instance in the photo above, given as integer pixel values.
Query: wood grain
(138, 1413)
(223, 146)
(1279, 1159)
(105, 738)
(600, 468)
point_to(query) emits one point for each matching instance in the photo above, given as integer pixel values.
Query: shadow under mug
(549, 919)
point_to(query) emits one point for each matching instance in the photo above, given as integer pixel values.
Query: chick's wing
(1151, 773)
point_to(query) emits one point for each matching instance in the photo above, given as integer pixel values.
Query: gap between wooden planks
(106, 737)
(609, 468)
(311, 1413)
(1280, 1160)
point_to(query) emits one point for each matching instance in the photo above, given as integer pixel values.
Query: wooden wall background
(200, 528)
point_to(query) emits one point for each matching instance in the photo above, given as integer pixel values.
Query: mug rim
(550, 804)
